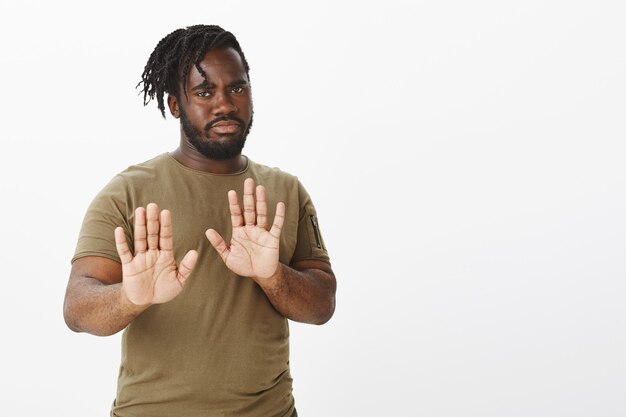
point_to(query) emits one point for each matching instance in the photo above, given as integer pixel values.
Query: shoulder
(281, 182)
(147, 170)
(272, 176)
(266, 171)
(135, 177)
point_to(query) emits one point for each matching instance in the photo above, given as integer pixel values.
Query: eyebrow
(210, 85)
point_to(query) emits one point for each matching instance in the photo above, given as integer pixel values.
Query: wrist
(129, 306)
(274, 280)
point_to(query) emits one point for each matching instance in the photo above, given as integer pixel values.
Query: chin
(219, 149)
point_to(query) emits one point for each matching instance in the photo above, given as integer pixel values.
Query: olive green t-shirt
(219, 348)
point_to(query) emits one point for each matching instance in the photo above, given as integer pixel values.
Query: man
(205, 321)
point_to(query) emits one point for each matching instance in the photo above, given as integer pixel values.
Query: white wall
(466, 160)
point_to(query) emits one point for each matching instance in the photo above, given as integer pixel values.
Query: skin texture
(104, 296)
(305, 292)
(227, 95)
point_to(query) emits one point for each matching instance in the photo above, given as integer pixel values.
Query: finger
(152, 217)
(235, 211)
(279, 219)
(166, 238)
(140, 230)
(261, 207)
(249, 214)
(218, 243)
(186, 266)
(122, 246)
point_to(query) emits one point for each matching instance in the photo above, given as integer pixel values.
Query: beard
(218, 150)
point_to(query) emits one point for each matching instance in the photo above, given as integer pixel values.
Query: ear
(172, 103)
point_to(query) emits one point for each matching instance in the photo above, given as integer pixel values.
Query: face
(216, 115)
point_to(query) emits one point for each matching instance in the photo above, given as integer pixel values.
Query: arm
(304, 291)
(94, 301)
(104, 296)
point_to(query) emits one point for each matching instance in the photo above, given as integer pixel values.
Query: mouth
(225, 127)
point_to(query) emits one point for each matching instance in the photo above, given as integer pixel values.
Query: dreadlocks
(171, 60)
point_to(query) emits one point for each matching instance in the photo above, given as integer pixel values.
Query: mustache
(222, 119)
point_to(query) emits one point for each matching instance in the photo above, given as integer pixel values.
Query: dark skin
(227, 93)
(104, 296)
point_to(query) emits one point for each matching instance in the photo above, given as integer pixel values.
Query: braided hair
(170, 62)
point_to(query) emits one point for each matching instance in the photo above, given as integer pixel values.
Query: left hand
(253, 250)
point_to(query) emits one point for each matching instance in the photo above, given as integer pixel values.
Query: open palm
(151, 276)
(253, 250)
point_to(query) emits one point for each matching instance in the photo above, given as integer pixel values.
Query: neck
(189, 156)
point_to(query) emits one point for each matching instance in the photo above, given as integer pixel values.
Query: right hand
(151, 276)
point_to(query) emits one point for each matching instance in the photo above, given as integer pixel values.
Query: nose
(223, 104)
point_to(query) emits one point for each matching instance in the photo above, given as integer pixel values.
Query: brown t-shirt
(219, 348)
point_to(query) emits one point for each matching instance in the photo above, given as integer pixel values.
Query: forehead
(219, 65)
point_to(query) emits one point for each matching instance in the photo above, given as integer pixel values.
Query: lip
(226, 126)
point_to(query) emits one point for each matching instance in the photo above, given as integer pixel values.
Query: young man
(205, 314)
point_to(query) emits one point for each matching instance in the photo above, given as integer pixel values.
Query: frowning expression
(216, 112)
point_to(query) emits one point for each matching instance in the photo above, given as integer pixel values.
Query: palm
(151, 276)
(253, 250)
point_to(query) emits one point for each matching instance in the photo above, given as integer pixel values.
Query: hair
(172, 58)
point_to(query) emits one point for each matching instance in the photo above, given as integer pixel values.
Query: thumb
(186, 266)
(218, 243)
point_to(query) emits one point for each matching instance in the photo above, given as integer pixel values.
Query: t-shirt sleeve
(108, 210)
(310, 244)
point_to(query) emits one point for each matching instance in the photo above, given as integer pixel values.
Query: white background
(466, 160)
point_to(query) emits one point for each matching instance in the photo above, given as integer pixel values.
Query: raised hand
(253, 250)
(151, 276)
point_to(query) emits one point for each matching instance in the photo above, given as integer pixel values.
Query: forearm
(306, 295)
(97, 308)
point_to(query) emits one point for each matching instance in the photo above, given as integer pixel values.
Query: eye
(237, 90)
(203, 94)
